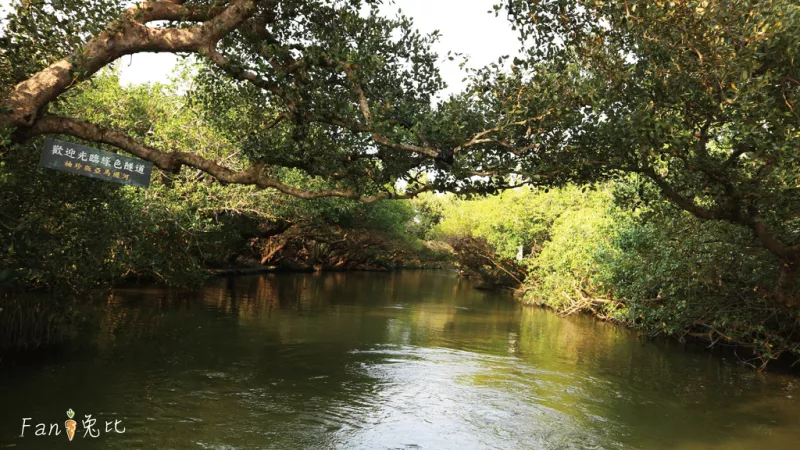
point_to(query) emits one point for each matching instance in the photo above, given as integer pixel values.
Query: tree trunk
(787, 283)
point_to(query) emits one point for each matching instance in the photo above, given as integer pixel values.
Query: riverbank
(258, 269)
(742, 353)
(711, 342)
(652, 268)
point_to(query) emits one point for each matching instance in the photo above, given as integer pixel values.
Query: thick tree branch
(171, 10)
(128, 35)
(763, 232)
(363, 105)
(766, 235)
(738, 151)
(682, 202)
(173, 161)
(237, 73)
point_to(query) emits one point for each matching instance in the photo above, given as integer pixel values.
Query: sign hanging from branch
(94, 163)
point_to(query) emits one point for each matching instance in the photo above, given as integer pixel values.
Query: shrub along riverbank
(280, 154)
(73, 233)
(66, 235)
(618, 252)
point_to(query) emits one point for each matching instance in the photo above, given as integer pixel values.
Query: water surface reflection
(401, 360)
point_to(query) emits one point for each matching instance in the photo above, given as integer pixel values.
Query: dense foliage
(66, 233)
(327, 87)
(699, 98)
(60, 229)
(666, 130)
(621, 253)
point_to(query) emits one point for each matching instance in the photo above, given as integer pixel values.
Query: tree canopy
(696, 98)
(328, 87)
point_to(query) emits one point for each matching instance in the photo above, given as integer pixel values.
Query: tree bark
(128, 35)
(787, 283)
(23, 109)
(789, 255)
(173, 161)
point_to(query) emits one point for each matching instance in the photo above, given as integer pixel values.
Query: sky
(465, 26)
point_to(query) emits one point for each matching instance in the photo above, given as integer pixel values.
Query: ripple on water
(426, 390)
(409, 360)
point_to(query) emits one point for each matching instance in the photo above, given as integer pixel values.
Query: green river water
(406, 360)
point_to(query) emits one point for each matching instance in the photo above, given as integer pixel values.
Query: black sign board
(95, 163)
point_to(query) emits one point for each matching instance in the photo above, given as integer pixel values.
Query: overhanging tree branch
(202, 30)
(173, 161)
(238, 73)
(363, 105)
(125, 36)
(752, 219)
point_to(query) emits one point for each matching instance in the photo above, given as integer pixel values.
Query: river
(405, 360)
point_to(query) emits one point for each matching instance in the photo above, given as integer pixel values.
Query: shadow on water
(382, 360)
(31, 326)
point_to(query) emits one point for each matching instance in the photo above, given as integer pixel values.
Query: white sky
(465, 27)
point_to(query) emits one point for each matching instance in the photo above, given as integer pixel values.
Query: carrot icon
(70, 425)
